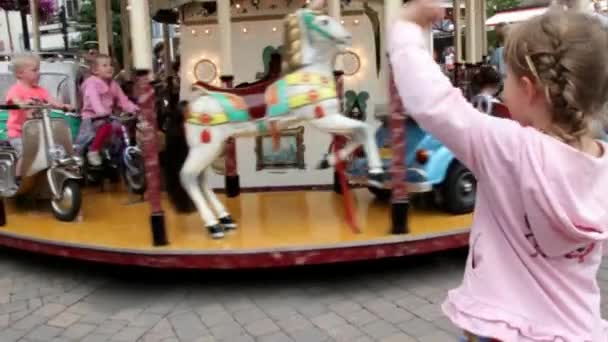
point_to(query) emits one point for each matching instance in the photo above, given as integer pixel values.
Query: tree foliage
(87, 15)
(500, 5)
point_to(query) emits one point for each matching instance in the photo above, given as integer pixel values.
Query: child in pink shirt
(27, 72)
(541, 213)
(101, 94)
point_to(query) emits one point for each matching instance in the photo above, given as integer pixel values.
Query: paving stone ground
(52, 300)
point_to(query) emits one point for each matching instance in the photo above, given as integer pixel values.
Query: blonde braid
(564, 52)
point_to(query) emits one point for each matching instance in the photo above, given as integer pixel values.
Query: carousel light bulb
(238, 5)
(274, 29)
(244, 30)
(342, 22)
(207, 31)
(194, 32)
(356, 21)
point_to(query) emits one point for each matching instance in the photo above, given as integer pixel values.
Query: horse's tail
(176, 149)
(198, 88)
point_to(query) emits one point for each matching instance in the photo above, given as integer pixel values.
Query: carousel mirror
(205, 71)
(351, 63)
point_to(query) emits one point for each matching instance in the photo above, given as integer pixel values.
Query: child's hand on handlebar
(68, 108)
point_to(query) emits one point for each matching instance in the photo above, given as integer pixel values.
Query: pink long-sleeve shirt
(541, 213)
(101, 97)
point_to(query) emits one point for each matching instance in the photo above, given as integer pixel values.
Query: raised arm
(441, 109)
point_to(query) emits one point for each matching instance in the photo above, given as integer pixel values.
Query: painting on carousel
(285, 151)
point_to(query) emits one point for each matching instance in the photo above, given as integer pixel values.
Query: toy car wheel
(459, 190)
(381, 194)
(67, 208)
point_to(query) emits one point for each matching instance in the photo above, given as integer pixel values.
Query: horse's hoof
(324, 163)
(228, 223)
(216, 231)
(376, 179)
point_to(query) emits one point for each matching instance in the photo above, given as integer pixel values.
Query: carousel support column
(483, 6)
(232, 183)
(458, 30)
(399, 201)
(142, 61)
(8, 31)
(472, 39)
(101, 17)
(111, 47)
(126, 41)
(35, 25)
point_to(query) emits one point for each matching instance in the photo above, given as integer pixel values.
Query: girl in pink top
(542, 206)
(101, 94)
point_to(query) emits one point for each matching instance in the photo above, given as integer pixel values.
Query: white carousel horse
(307, 93)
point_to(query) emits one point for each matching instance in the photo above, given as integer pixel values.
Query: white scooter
(49, 167)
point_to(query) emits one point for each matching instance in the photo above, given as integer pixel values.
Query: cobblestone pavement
(49, 299)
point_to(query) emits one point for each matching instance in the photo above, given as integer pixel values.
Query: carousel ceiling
(243, 6)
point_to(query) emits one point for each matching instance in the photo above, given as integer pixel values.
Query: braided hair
(564, 53)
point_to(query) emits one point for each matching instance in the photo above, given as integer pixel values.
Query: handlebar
(124, 117)
(36, 105)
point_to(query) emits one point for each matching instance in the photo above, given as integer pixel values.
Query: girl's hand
(68, 108)
(423, 12)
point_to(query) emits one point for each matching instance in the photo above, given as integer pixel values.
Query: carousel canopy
(514, 16)
(157, 5)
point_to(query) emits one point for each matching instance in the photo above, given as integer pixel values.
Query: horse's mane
(292, 54)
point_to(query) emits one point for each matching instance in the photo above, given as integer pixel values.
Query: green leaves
(500, 5)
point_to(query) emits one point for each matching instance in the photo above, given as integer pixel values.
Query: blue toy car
(432, 169)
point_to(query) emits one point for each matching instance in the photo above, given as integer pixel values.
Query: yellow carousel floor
(266, 221)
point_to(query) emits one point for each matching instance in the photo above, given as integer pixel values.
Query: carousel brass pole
(340, 181)
(232, 182)
(2, 213)
(338, 141)
(142, 62)
(399, 201)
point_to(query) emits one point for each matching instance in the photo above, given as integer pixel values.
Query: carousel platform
(275, 229)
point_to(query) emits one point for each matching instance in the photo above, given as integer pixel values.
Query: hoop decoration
(351, 62)
(205, 71)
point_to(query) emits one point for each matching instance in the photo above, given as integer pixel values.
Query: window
(71, 8)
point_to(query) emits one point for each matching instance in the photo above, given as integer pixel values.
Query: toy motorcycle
(49, 167)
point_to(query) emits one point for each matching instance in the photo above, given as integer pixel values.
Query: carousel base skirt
(274, 229)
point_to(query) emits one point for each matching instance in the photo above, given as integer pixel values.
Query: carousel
(252, 167)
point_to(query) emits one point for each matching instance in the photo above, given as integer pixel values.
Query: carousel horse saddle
(265, 100)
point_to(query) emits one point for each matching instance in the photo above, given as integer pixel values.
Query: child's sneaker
(94, 158)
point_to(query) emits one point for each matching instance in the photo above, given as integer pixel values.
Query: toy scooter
(49, 167)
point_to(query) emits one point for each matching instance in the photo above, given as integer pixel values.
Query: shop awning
(514, 16)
